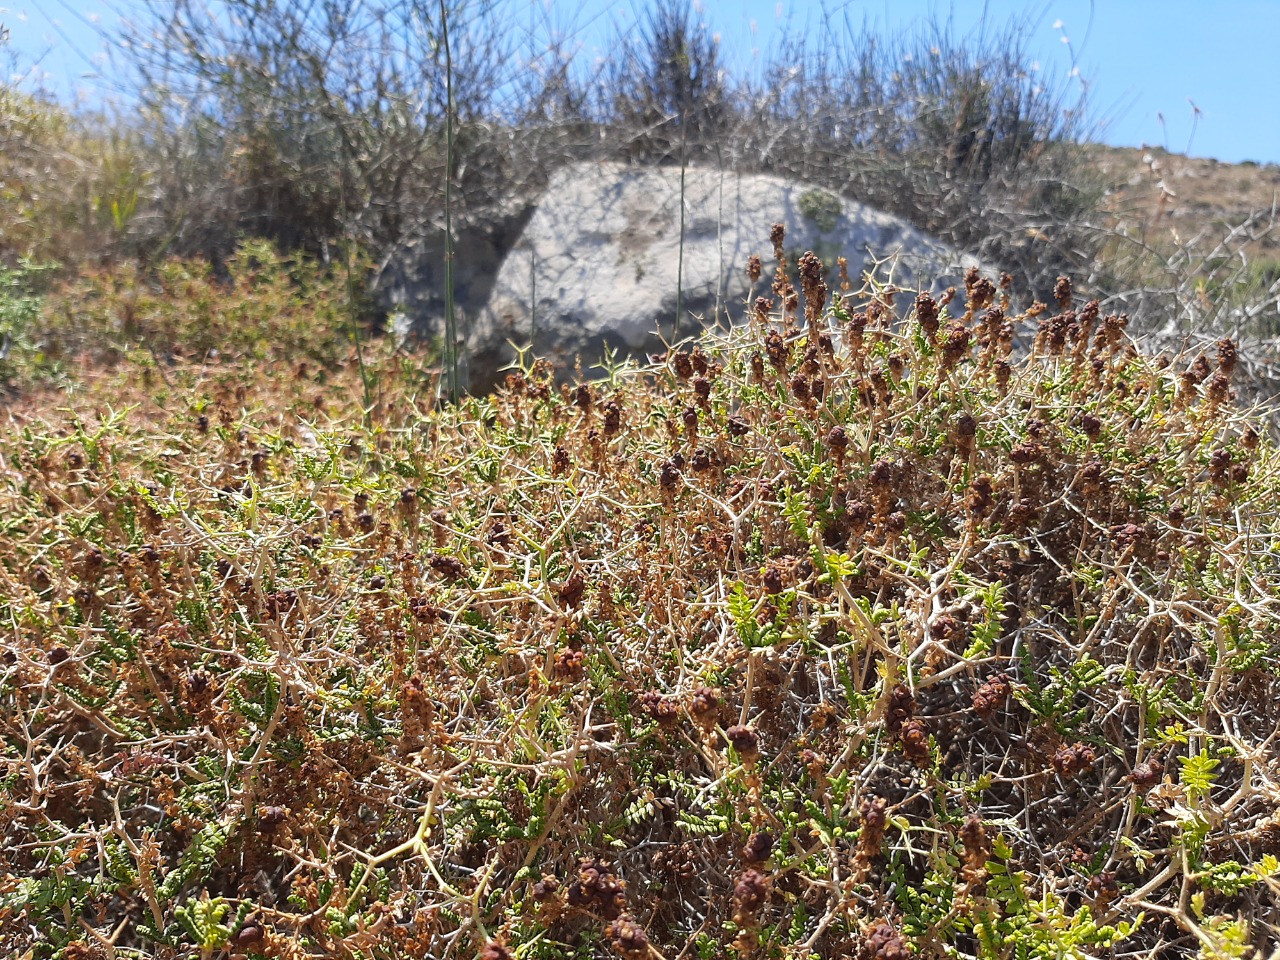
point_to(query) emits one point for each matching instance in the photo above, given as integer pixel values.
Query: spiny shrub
(905, 627)
(268, 307)
(20, 306)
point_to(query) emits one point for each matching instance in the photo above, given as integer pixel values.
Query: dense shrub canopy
(861, 633)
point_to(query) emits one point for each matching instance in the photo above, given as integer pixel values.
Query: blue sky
(1141, 59)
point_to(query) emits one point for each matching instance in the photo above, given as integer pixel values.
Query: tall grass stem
(451, 358)
(675, 332)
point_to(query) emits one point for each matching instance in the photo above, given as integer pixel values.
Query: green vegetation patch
(822, 208)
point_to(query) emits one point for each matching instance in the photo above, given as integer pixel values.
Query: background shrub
(314, 127)
(71, 185)
(304, 127)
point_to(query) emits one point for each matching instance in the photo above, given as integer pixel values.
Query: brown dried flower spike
(991, 696)
(977, 848)
(885, 943)
(597, 889)
(927, 315)
(704, 706)
(628, 938)
(745, 741)
(749, 894)
(814, 283)
(1069, 761)
(758, 848)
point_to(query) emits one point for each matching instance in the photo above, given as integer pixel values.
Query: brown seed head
(758, 848)
(813, 281)
(702, 390)
(1069, 761)
(778, 350)
(560, 461)
(597, 889)
(1219, 465)
(612, 422)
(1104, 888)
(545, 888)
(744, 740)
(955, 343)
(977, 848)
(981, 293)
(881, 475)
(777, 235)
(947, 629)
(915, 740)
(762, 307)
(1062, 292)
(1027, 452)
(682, 364)
(927, 314)
(800, 388)
(750, 892)
(569, 665)
(1113, 327)
(1228, 355)
(884, 943)
(271, 818)
(196, 683)
(660, 707)
(570, 593)
(900, 708)
(447, 567)
(981, 495)
(875, 820)
(1146, 775)
(1003, 370)
(628, 938)
(705, 705)
(857, 325)
(991, 696)
(774, 579)
(1219, 387)
(689, 417)
(669, 475)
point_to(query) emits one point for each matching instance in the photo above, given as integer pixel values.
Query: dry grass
(843, 636)
(70, 184)
(1180, 196)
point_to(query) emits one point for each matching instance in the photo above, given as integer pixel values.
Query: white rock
(599, 261)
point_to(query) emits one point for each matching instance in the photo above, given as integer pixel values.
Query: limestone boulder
(598, 264)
